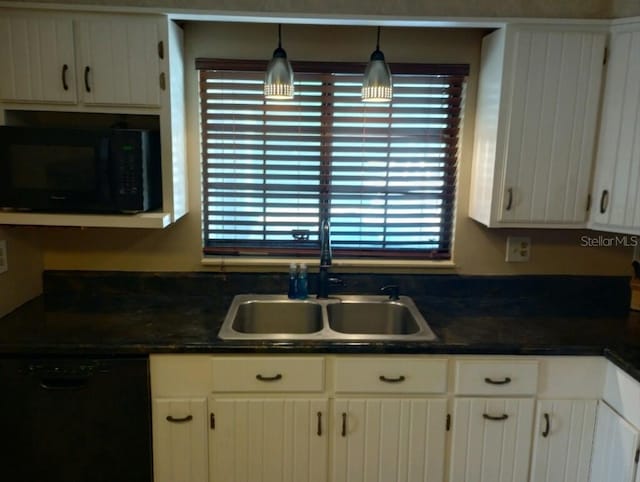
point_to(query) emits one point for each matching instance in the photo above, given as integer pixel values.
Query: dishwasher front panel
(75, 420)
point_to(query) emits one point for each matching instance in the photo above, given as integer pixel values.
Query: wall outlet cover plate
(518, 249)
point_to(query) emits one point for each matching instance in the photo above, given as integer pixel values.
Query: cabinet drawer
(390, 375)
(267, 374)
(496, 377)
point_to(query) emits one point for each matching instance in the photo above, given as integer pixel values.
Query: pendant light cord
(279, 35)
(378, 40)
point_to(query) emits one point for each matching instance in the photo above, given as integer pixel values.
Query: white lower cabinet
(180, 440)
(491, 439)
(268, 440)
(389, 440)
(314, 418)
(615, 449)
(563, 440)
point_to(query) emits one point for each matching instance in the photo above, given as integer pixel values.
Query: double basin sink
(348, 317)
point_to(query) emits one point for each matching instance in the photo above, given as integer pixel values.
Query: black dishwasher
(75, 420)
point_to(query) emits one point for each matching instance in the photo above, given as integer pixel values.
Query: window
(383, 174)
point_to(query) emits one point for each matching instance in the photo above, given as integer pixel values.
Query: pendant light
(377, 85)
(278, 80)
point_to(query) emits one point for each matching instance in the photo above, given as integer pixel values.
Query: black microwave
(80, 170)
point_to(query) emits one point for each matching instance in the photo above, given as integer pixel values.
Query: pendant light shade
(377, 85)
(278, 80)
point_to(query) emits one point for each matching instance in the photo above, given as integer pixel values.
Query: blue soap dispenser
(303, 283)
(293, 281)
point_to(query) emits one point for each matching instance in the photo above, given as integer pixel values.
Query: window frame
(273, 253)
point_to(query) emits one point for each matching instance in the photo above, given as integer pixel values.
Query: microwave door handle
(106, 178)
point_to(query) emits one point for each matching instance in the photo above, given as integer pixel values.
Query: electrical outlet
(4, 263)
(518, 249)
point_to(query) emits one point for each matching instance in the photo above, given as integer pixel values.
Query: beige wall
(478, 250)
(23, 280)
(625, 8)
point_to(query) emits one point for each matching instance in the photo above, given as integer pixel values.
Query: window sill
(230, 264)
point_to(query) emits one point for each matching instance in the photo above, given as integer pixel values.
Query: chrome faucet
(325, 259)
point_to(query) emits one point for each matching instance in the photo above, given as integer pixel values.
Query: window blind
(383, 174)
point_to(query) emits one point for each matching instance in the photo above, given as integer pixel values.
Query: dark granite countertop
(469, 316)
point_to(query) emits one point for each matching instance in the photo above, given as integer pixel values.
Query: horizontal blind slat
(388, 170)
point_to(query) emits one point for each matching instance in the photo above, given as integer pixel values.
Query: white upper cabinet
(37, 59)
(615, 190)
(99, 59)
(536, 120)
(119, 60)
(68, 62)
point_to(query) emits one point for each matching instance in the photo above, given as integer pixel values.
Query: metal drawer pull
(87, 87)
(319, 424)
(171, 419)
(510, 199)
(547, 428)
(604, 201)
(497, 418)
(399, 379)
(344, 424)
(262, 378)
(65, 69)
(491, 381)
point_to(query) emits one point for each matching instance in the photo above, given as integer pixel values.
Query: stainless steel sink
(372, 317)
(278, 316)
(348, 317)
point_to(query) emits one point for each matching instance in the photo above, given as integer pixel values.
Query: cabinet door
(563, 440)
(491, 439)
(270, 440)
(614, 448)
(551, 108)
(119, 60)
(37, 59)
(616, 195)
(180, 440)
(389, 440)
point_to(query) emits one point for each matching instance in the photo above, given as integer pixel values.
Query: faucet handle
(393, 290)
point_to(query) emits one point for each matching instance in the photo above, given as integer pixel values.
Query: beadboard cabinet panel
(491, 439)
(119, 60)
(538, 106)
(37, 59)
(270, 440)
(616, 191)
(614, 448)
(389, 440)
(180, 440)
(563, 439)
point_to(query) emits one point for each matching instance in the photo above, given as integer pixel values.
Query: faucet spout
(325, 243)
(325, 259)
